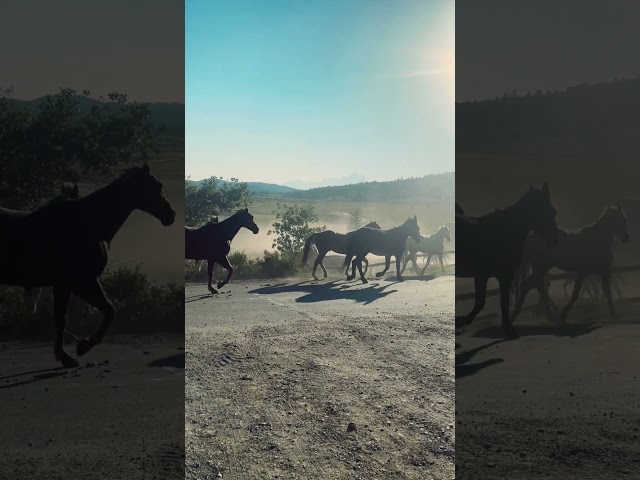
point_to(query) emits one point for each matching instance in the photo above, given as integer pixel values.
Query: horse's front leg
(366, 265)
(505, 300)
(606, 287)
(210, 264)
(60, 303)
(398, 266)
(93, 293)
(387, 264)
(224, 263)
(440, 255)
(480, 299)
(362, 277)
(427, 265)
(577, 286)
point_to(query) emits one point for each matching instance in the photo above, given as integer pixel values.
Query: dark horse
(492, 246)
(329, 241)
(64, 245)
(67, 192)
(212, 242)
(384, 243)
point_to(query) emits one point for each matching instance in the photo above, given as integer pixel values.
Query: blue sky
(316, 92)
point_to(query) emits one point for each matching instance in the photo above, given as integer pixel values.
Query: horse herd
(518, 245)
(212, 242)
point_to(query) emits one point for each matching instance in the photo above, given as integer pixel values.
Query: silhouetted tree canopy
(292, 227)
(211, 197)
(44, 145)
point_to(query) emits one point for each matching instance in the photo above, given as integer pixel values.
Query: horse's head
(246, 220)
(148, 195)
(412, 228)
(444, 231)
(373, 225)
(540, 212)
(616, 222)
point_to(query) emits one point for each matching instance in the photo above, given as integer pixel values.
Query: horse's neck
(230, 227)
(105, 211)
(599, 231)
(519, 226)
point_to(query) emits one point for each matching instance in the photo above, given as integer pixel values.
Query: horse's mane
(604, 213)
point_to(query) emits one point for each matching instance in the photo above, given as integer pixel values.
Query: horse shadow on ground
(35, 376)
(560, 330)
(320, 292)
(172, 361)
(410, 278)
(464, 369)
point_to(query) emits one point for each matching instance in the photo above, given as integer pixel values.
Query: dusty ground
(276, 372)
(99, 421)
(560, 402)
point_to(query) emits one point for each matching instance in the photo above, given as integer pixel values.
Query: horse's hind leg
(366, 265)
(398, 265)
(60, 303)
(606, 287)
(353, 270)
(317, 262)
(441, 261)
(427, 265)
(224, 263)
(480, 298)
(387, 264)
(210, 264)
(522, 296)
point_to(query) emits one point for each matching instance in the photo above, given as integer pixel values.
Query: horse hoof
(364, 280)
(316, 278)
(84, 345)
(350, 277)
(511, 333)
(213, 291)
(220, 284)
(66, 360)
(379, 274)
(400, 279)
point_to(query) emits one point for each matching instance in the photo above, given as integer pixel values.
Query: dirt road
(120, 415)
(559, 402)
(277, 371)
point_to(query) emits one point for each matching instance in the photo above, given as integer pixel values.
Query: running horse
(212, 242)
(329, 241)
(431, 245)
(64, 245)
(492, 246)
(385, 243)
(584, 252)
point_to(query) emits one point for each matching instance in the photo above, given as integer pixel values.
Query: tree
(211, 197)
(63, 136)
(293, 227)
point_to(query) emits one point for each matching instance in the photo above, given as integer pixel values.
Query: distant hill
(430, 188)
(600, 115)
(167, 118)
(260, 188)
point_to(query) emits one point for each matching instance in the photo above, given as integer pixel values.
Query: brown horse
(386, 243)
(212, 242)
(329, 241)
(64, 245)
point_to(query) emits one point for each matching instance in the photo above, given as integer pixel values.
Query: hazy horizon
(309, 93)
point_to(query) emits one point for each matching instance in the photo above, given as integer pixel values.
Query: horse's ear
(545, 189)
(246, 209)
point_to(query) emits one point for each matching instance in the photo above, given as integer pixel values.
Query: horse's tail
(307, 247)
(520, 279)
